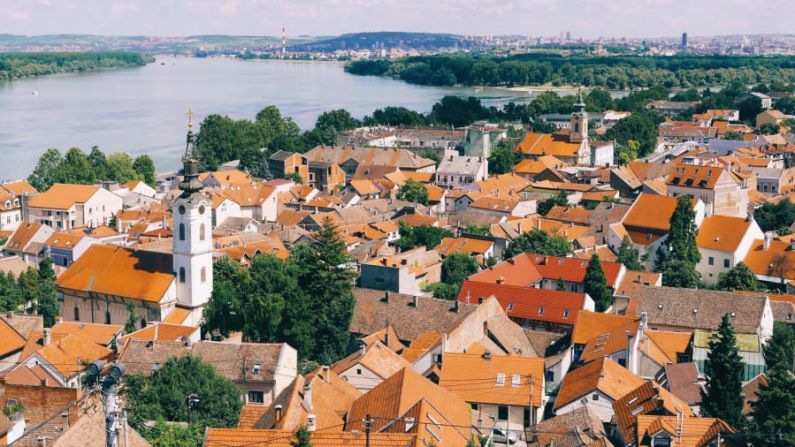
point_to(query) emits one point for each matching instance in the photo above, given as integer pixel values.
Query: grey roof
(724, 147)
(767, 173)
(281, 155)
(783, 311)
(699, 309)
(373, 312)
(580, 427)
(460, 165)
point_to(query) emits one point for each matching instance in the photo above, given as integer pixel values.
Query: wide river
(143, 110)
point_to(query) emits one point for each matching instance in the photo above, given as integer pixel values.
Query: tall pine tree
(773, 411)
(680, 255)
(722, 396)
(596, 284)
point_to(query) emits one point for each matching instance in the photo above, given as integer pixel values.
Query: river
(143, 110)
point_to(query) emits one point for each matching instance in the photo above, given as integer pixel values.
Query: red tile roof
(517, 271)
(527, 302)
(572, 269)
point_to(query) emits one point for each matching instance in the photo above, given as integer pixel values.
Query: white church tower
(579, 132)
(192, 246)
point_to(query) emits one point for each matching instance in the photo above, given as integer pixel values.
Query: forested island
(19, 65)
(612, 72)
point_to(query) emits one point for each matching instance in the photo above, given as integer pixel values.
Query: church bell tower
(579, 132)
(192, 243)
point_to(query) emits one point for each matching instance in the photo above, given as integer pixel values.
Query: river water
(143, 110)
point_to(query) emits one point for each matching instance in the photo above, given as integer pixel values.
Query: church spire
(580, 104)
(190, 162)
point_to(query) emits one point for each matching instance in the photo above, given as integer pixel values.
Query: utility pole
(110, 399)
(368, 422)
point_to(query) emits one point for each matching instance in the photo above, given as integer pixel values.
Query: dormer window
(541, 310)
(500, 379)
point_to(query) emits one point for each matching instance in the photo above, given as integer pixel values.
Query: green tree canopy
(144, 167)
(459, 112)
(722, 396)
(412, 237)
(538, 242)
(163, 395)
(595, 283)
(629, 256)
(771, 217)
(773, 412)
(740, 277)
(501, 160)
(99, 163)
(338, 120)
(46, 171)
(413, 191)
(780, 349)
(560, 199)
(456, 267)
(75, 168)
(120, 168)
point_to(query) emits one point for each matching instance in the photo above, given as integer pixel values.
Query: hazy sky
(586, 18)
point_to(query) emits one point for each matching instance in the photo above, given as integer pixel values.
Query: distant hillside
(387, 40)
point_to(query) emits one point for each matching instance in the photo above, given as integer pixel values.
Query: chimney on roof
(324, 369)
(363, 348)
(500, 279)
(9, 314)
(766, 243)
(386, 296)
(308, 395)
(416, 301)
(47, 338)
(486, 355)
(311, 422)
(456, 306)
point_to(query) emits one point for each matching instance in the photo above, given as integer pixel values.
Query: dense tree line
(17, 65)
(306, 301)
(86, 169)
(614, 72)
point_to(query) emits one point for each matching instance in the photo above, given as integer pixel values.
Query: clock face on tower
(182, 209)
(201, 209)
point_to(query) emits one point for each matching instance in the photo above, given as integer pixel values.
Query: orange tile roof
(592, 324)
(517, 271)
(121, 272)
(633, 279)
(19, 188)
(387, 336)
(250, 414)
(10, 339)
(63, 196)
(450, 245)
(420, 345)
(435, 193)
(234, 177)
(177, 316)
(600, 195)
(67, 353)
(609, 342)
(649, 398)
(101, 334)
(161, 331)
(690, 432)
(240, 437)
(670, 343)
(693, 176)
(418, 220)
(64, 240)
(495, 204)
(22, 236)
(651, 212)
(547, 144)
(569, 214)
(475, 378)
(772, 262)
(722, 233)
(604, 375)
(364, 187)
(377, 357)
(503, 183)
(404, 392)
(562, 186)
(536, 166)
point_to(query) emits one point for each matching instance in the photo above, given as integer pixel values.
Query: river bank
(14, 66)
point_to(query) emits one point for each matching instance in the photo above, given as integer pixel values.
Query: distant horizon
(278, 36)
(586, 19)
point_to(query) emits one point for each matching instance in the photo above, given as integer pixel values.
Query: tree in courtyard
(772, 421)
(629, 256)
(501, 160)
(560, 199)
(413, 191)
(295, 177)
(457, 267)
(740, 277)
(427, 235)
(538, 242)
(46, 301)
(163, 395)
(780, 349)
(678, 273)
(722, 396)
(172, 435)
(679, 255)
(596, 284)
(129, 326)
(560, 286)
(45, 173)
(145, 168)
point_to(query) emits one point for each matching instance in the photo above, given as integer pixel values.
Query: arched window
(204, 274)
(77, 314)
(182, 232)
(182, 274)
(201, 232)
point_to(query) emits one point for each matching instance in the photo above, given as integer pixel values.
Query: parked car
(503, 436)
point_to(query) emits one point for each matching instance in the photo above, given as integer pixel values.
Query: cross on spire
(190, 118)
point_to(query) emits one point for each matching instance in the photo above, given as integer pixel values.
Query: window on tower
(182, 274)
(182, 232)
(201, 232)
